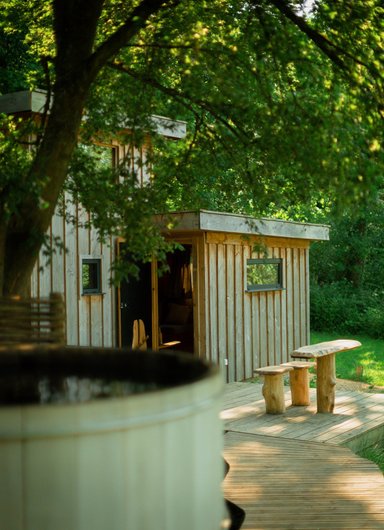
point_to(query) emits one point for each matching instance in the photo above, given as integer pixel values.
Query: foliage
(348, 274)
(282, 107)
(355, 249)
(118, 207)
(270, 119)
(341, 307)
(15, 161)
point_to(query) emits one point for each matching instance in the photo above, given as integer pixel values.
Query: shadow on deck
(294, 471)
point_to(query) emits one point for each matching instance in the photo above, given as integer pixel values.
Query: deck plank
(355, 414)
(296, 470)
(294, 484)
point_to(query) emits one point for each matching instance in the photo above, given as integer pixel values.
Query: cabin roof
(35, 100)
(205, 220)
(23, 101)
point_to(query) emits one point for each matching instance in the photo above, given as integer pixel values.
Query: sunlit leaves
(117, 205)
(356, 30)
(274, 119)
(27, 27)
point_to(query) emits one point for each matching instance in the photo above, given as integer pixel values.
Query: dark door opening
(175, 296)
(135, 303)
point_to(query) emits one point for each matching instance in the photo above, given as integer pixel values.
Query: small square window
(91, 275)
(264, 274)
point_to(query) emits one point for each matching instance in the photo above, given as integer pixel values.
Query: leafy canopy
(284, 103)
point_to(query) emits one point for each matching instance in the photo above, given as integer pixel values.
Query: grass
(375, 454)
(365, 364)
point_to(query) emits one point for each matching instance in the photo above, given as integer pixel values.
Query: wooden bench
(32, 320)
(273, 387)
(325, 355)
(299, 382)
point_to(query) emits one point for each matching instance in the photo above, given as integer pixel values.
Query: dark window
(91, 275)
(264, 274)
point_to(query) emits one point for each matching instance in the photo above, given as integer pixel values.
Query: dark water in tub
(71, 389)
(69, 375)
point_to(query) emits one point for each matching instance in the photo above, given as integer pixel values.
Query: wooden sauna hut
(238, 292)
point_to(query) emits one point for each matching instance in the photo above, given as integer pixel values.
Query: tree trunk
(77, 63)
(75, 30)
(25, 232)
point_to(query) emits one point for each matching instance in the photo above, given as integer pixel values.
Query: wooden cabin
(237, 293)
(82, 273)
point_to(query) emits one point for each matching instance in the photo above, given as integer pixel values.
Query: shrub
(374, 322)
(340, 307)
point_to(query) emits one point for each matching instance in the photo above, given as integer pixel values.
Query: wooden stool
(273, 387)
(299, 382)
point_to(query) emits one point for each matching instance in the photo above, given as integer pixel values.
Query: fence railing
(32, 320)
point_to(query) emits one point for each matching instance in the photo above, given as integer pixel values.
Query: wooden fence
(32, 320)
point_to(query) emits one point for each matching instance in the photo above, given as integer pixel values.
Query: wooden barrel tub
(106, 439)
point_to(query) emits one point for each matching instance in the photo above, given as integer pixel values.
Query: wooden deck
(295, 471)
(358, 419)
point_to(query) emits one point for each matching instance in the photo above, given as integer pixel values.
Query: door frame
(155, 296)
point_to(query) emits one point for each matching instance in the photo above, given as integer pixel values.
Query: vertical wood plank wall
(246, 330)
(238, 330)
(91, 319)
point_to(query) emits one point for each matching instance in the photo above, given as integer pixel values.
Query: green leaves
(15, 162)
(118, 205)
(284, 107)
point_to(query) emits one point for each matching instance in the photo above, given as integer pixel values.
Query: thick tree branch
(121, 38)
(331, 49)
(338, 55)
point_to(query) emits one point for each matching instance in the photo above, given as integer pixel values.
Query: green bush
(333, 307)
(340, 307)
(374, 322)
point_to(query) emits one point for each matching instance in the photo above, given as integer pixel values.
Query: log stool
(273, 387)
(299, 382)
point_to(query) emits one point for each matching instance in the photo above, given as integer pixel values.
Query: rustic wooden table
(325, 355)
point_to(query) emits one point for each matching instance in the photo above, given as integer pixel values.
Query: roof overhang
(176, 129)
(208, 221)
(24, 101)
(35, 101)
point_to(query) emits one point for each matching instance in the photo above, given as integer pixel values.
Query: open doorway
(175, 298)
(135, 303)
(171, 322)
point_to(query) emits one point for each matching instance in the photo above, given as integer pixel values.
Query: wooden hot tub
(106, 439)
